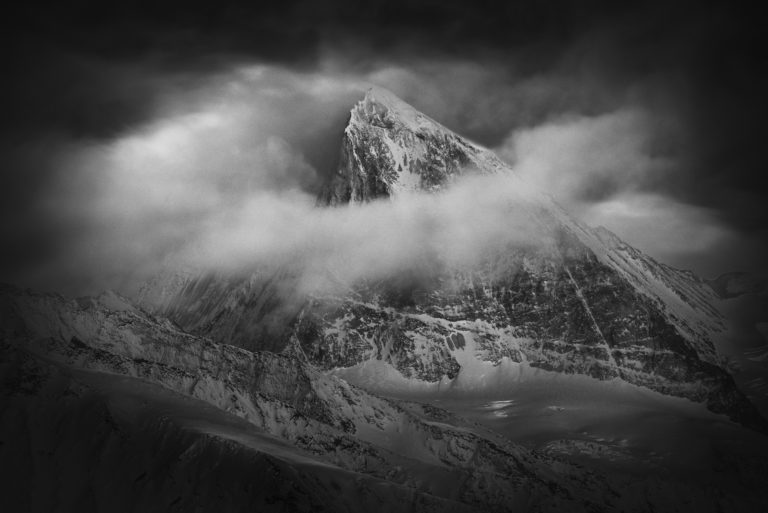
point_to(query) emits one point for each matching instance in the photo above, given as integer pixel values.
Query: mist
(414, 234)
(225, 173)
(606, 168)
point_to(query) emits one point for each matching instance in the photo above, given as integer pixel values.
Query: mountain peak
(389, 147)
(376, 94)
(382, 107)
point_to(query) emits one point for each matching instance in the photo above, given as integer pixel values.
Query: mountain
(577, 301)
(565, 372)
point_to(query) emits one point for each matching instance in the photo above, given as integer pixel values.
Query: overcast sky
(125, 128)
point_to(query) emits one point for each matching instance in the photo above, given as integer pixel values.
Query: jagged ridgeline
(578, 300)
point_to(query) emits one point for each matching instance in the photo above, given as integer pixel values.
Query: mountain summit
(389, 147)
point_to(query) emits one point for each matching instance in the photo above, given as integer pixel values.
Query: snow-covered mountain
(573, 373)
(580, 300)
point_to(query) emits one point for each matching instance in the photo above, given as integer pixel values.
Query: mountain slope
(105, 407)
(145, 386)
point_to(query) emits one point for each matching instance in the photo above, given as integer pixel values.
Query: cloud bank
(220, 190)
(226, 174)
(92, 95)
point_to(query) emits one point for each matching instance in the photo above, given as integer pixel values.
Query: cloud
(416, 233)
(137, 207)
(80, 213)
(609, 170)
(669, 230)
(581, 159)
(221, 181)
(485, 100)
(96, 207)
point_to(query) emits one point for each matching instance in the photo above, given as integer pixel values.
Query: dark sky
(691, 76)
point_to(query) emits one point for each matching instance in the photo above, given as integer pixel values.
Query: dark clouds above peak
(709, 51)
(678, 86)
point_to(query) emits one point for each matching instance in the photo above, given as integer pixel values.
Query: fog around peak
(117, 157)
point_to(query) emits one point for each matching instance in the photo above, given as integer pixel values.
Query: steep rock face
(579, 301)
